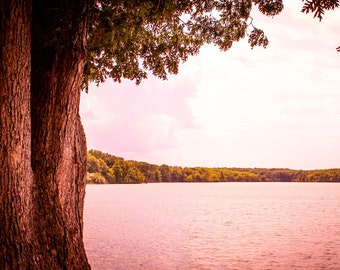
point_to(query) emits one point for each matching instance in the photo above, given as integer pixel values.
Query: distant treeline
(104, 168)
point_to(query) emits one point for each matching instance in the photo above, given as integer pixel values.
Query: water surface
(213, 226)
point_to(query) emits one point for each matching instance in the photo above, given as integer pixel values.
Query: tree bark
(15, 136)
(58, 139)
(42, 142)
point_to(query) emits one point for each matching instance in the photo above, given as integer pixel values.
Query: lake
(213, 226)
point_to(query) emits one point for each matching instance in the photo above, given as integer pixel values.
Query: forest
(103, 168)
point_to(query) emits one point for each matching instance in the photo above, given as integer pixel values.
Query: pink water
(213, 226)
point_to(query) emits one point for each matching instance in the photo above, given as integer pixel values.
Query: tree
(43, 169)
(133, 174)
(92, 163)
(50, 51)
(119, 170)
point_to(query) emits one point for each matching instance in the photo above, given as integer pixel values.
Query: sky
(277, 107)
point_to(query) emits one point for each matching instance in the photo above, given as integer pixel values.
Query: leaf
(318, 7)
(270, 7)
(257, 38)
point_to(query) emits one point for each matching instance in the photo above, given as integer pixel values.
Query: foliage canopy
(129, 38)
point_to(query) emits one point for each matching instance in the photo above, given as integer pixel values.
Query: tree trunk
(58, 139)
(15, 136)
(42, 142)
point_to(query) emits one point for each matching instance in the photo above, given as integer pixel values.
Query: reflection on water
(213, 226)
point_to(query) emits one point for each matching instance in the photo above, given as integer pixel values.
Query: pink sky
(274, 107)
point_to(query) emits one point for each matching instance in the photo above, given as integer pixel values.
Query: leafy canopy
(128, 38)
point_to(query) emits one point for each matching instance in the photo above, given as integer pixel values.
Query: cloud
(126, 119)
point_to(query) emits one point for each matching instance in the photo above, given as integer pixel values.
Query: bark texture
(58, 139)
(15, 136)
(42, 142)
